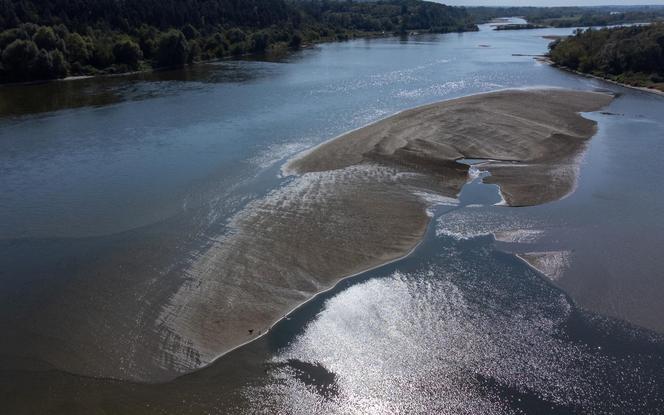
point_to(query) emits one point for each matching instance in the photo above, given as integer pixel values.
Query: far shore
(548, 61)
(308, 45)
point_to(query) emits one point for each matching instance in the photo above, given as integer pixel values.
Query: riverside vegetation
(573, 16)
(49, 39)
(631, 55)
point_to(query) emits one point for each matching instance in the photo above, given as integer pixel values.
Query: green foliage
(259, 41)
(23, 60)
(127, 52)
(45, 38)
(173, 49)
(626, 53)
(190, 32)
(18, 58)
(295, 41)
(59, 69)
(573, 16)
(79, 49)
(102, 53)
(195, 52)
(54, 38)
(49, 65)
(235, 35)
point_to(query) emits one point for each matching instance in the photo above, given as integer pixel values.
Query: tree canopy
(633, 55)
(45, 39)
(573, 16)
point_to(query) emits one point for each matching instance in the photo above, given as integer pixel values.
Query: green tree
(42, 66)
(259, 41)
(190, 32)
(173, 49)
(235, 35)
(295, 41)
(127, 52)
(8, 36)
(59, 64)
(102, 54)
(45, 38)
(49, 65)
(194, 52)
(97, 36)
(78, 48)
(18, 58)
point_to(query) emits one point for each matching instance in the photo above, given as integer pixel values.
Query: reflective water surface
(111, 187)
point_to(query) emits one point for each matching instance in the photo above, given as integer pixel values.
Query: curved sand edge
(536, 134)
(353, 206)
(358, 202)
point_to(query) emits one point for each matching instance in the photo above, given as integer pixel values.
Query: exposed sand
(356, 203)
(536, 134)
(353, 203)
(550, 263)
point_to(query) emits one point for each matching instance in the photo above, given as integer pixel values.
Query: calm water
(109, 183)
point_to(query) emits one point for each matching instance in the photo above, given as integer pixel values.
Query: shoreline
(328, 223)
(427, 229)
(356, 202)
(545, 59)
(286, 52)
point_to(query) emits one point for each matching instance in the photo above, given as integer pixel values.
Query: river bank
(651, 90)
(111, 207)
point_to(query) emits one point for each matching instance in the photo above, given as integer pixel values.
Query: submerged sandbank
(351, 204)
(357, 201)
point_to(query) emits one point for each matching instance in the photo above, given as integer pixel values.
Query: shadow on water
(28, 99)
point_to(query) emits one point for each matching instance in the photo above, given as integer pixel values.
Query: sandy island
(361, 200)
(350, 204)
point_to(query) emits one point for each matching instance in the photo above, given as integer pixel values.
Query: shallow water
(120, 184)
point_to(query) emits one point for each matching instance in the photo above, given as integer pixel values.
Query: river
(112, 188)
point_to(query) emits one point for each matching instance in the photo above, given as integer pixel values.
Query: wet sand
(361, 200)
(350, 204)
(531, 137)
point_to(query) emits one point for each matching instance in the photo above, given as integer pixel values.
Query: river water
(112, 186)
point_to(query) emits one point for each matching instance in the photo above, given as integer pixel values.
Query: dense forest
(47, 39)
(632, 55)
(573, 16)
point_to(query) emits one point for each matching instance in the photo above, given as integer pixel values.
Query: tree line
(573, 16)
(632, 55)
(47, 39)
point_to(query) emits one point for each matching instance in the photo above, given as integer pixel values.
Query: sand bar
(352, 203)
(355, 203)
